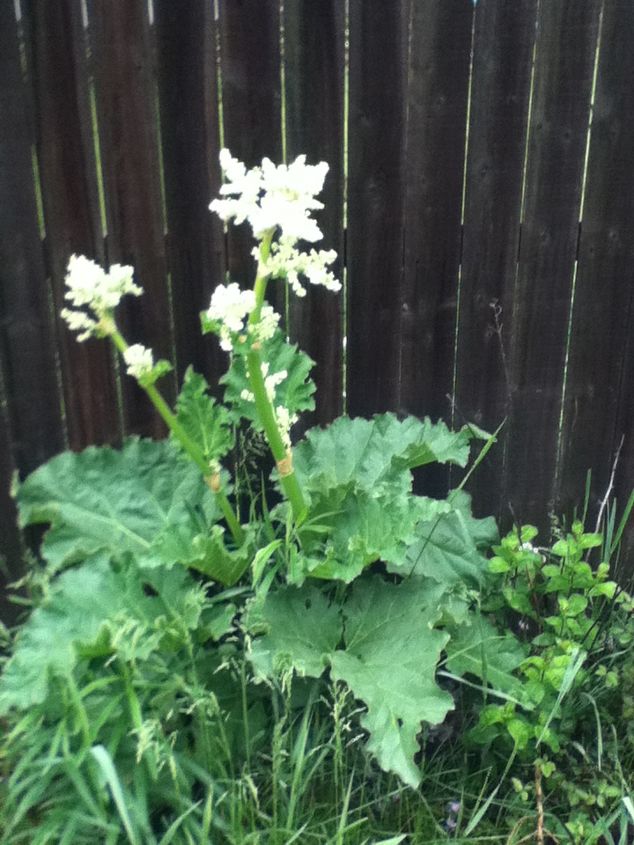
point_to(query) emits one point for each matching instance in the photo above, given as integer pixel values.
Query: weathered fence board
(538, 326)
(128, 131)
(188, 91)
(438, 83)
(10, 540)
(595, 409)
(314, 50)
(375, 188)
(62, 117)
(503, 46)
(27, 341)
(251, 103)
(437, 95)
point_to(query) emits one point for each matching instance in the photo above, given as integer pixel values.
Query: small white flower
(139, 361)
(230, 307)
(284, 423)
(79, 321)
(287, 261)
(265, 328)
(90, 286)
(271, 382)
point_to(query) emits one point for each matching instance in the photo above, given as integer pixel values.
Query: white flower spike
(272, 196)
(139, 361)
(230, 307)
(90, 287)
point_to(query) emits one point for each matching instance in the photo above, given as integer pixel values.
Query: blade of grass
(104, 761)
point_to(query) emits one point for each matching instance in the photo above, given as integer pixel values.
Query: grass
(304, 778)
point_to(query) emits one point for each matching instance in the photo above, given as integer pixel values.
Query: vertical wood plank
(440, 47)
(26, 333)
(503, 45)
(11, 550)
(597, 396)
(62, 119)
(188, 89)
(625, 470)
(314, 72)
(128, 129)
(251, 102)
(377, 114)
(565, 54)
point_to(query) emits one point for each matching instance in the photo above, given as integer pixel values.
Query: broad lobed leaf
(357, 474)
(390, 663)
(450, 547)
(84, 612)
(114, 502)
(387, 656)
(206, 422)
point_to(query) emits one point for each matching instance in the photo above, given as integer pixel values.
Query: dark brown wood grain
(624, 480)
(188, 89)
(503, 46)
(538, 325)
(11, 547)
(374, 251)
(126, 95)
(437, 95)
(597, 410)
(31, 428)
(314, 71)
(251, 104)
(26, 332)
(440, 45)
(61, 115)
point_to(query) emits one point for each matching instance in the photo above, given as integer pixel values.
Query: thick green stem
(282, 454)
(188, 445)
(266, 412)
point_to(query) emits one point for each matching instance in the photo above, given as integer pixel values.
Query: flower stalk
(186, 442)
(281, 452)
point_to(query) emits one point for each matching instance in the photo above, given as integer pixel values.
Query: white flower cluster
(265, 328)
(272, 196)
(279, 197)
(90, 287)
(231, 307)
(286, 261)
(139, 361)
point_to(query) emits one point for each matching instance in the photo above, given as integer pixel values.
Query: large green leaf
(302, 630)
(478, 648)
(87, 608)
(450, 546)
(207, 423)
(205, 552)
(108, 501)
(388, 657)
(357, 475)
(390, 664)
(368, 454)
(363, 528)
(295, 392)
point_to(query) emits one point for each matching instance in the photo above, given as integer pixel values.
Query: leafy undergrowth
(314, 655)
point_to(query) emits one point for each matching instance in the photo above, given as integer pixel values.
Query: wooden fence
(480, 195)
